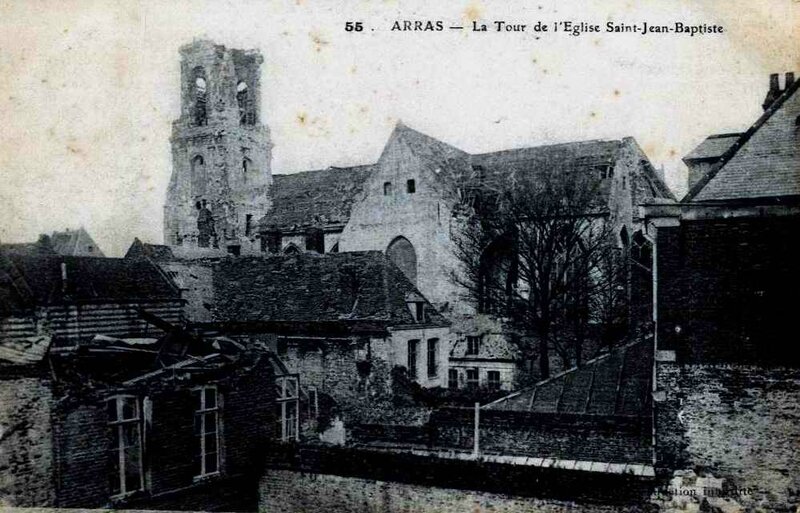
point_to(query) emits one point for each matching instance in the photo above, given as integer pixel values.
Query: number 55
(351, 26)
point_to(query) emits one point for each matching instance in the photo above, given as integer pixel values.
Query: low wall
(740, 424)
(286, 491)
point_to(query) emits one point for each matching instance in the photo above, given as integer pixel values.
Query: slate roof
(157, 252)
(89, 279)
(75, 243)
(763, 163)
(314, 198)
(615, 384)
(325, 197)
(352, 286)
(27, 249)
(713, 147)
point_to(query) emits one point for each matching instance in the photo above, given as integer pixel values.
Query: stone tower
(221, 153)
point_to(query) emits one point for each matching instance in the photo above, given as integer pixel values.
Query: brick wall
(723, 289)
(737, 423)
(26, 473)
(285, 491)
(171, 447)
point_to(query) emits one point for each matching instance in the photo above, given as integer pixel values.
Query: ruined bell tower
(221, 153)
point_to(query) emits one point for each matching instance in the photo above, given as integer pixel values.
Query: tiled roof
(352, 286)
(314, 198)
(764, 162)
(617, 383)
(713, 147)
(157, 252)
(88, 279)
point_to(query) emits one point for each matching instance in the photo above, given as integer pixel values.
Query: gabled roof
(75, 243)
(615, 384)
(325, 197)
(27, 281)
(713, 147)
(157, 252)
(314, 198)
(763, 163)
(307, 288)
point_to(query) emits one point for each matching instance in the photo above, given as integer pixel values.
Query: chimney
(774, 91)
(789, 80)
(64, 277)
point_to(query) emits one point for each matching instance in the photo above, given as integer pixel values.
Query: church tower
(221, 153)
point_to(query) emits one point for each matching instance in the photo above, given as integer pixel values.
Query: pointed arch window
(247, 168)
(404, 256)
(199, 176)
(245, 103)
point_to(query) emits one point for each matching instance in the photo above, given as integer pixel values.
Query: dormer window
(473, 345)
(387, 188)
(411, 186)
(416, 305)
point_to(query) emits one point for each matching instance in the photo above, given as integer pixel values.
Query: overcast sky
(88, 89)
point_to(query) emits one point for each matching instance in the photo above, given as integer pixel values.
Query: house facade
(726, 270)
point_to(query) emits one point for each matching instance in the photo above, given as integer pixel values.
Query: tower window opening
(200, 98)
(246, 115)
(248, 224)
(411, 186)
(247, 165)
(387, 188)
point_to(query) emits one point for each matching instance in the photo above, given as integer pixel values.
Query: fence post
(476, 447)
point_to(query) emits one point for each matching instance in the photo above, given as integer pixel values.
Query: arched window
(200, 88)
(402, 253)
(246, 116)
(199, 176)
(247, 166)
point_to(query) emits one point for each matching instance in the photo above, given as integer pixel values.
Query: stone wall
(736, 423)
(422, 217)
(26, 463)
(286, 491)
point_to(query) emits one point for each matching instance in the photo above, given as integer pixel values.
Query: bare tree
(534, 245)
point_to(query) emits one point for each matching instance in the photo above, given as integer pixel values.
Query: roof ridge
(745, 137)
(550, 145)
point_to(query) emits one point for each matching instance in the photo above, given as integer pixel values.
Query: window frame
(433, 358)
(203, 411)
(118, 424)
(452, 379)
(493, 384)
(473, 383)
(412, 367)
(288, 399)
(473, 345)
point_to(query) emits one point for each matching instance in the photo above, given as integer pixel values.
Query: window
(248, 224)
(199, 176)
(402, 254)
(125, 456)
(89, 249)
(493, 379)
(452, 378)
(411, 187)
(473, 345)
(417, 309)
(283, 348)
(387, 188)
(206, 429)
(412, 359)
(433, 357)
(473, 379)
(200, 97)
(246, 116)
(247, 165)
(288, 412)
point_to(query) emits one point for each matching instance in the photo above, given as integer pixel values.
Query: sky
(89, 89)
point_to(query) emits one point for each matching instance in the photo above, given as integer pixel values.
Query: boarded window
(401, 252)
